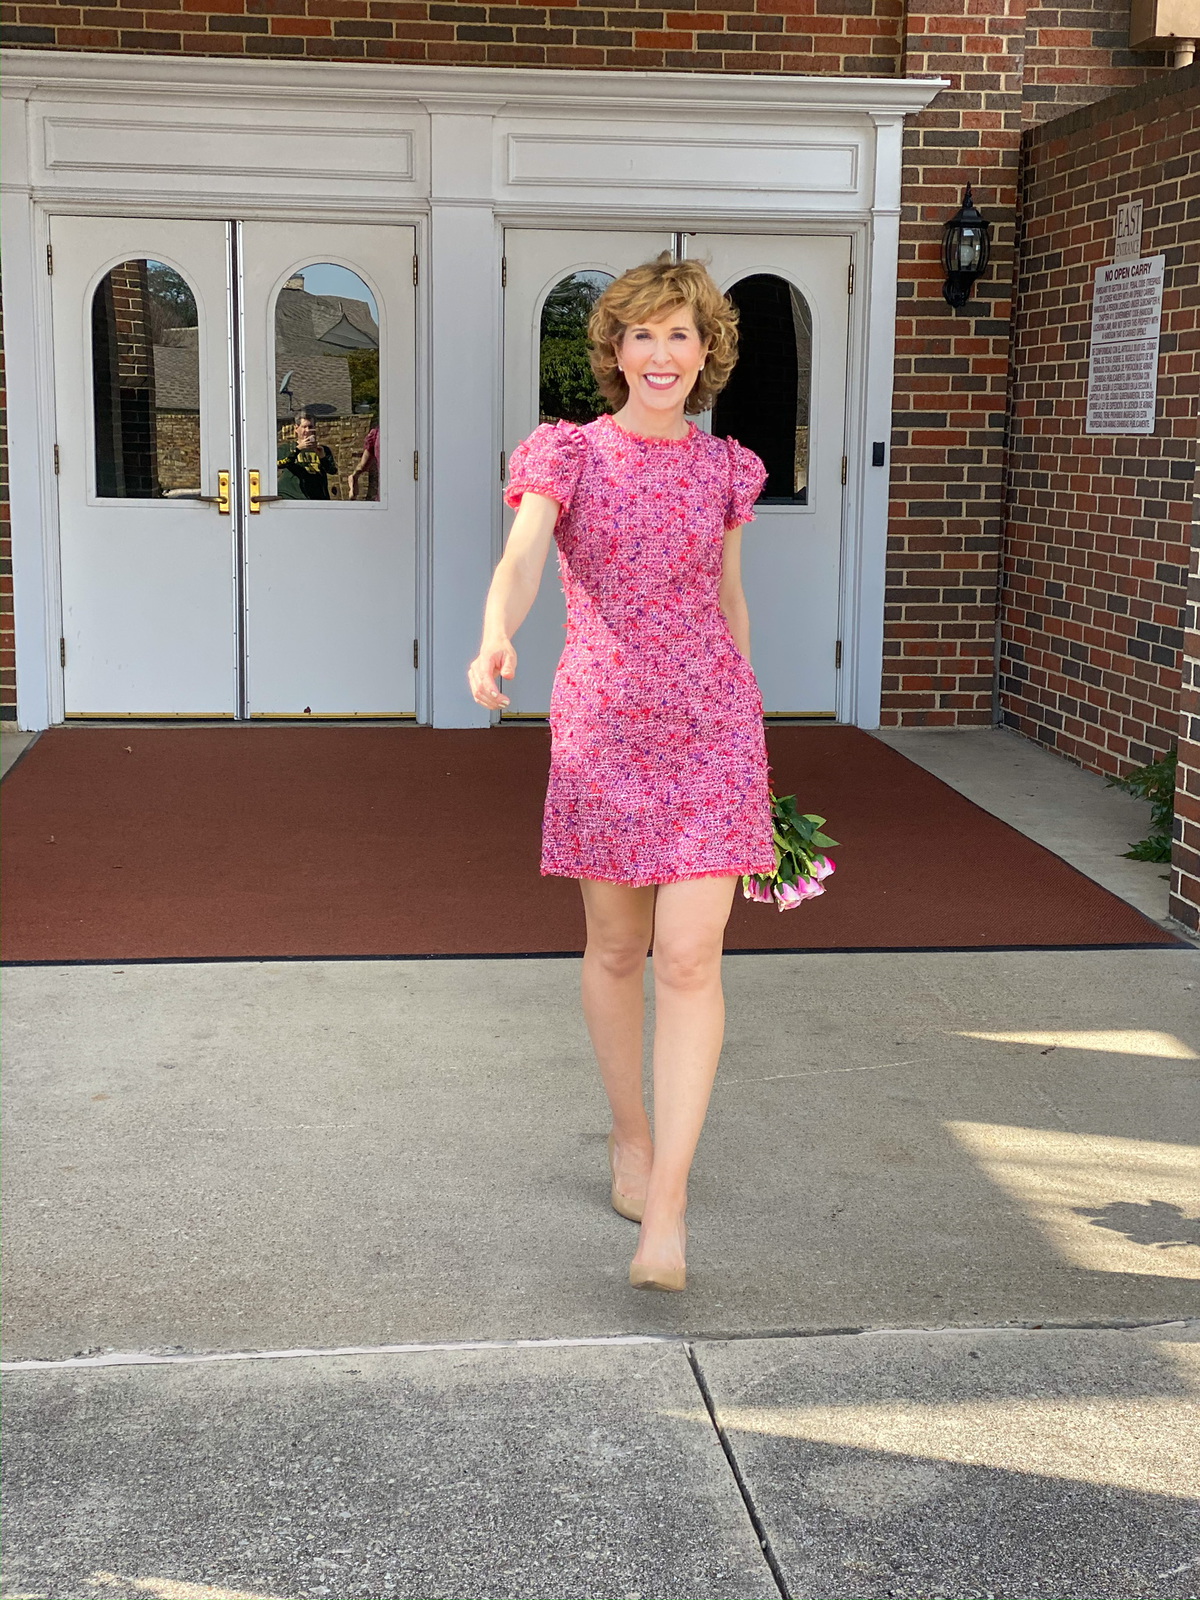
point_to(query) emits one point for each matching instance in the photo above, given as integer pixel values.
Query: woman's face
(306, 433)
(661, 360)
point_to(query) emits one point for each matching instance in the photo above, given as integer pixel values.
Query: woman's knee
(687, 963)
(617, 957)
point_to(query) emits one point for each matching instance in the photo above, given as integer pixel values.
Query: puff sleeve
(746, 478)
(549, 462)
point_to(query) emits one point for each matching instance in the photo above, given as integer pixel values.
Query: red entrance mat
(214, 843)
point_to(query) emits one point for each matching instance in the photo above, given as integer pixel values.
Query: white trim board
(62, 73)
(459, 152)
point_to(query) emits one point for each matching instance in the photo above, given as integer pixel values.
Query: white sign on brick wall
(1123, 369)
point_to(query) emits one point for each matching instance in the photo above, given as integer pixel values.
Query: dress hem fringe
(653, 883)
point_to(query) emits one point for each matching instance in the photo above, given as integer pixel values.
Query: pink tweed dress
(658, 767)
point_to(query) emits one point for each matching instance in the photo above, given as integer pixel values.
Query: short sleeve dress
(658, 768)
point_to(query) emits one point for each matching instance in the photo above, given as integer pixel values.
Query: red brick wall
(1079, 52)
(1008, 66)
(1099, 527)
(808, 36)
(951, 369)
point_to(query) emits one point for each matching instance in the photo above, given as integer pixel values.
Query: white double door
(216, 385)
(787, 401)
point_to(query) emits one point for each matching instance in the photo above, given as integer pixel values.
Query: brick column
(951, 368)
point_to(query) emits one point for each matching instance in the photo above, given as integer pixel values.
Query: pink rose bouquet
(801, 865)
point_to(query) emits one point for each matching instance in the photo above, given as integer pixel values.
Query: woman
(658, 795)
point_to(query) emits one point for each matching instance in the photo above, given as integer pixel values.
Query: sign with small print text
(1123, 369)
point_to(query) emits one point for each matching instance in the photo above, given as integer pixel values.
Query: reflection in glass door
(145, 383)
(141, 355)
(236, 498)
(554, 278)
(330, 542)
(327, 386)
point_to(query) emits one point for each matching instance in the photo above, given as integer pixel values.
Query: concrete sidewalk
(1072, 812)
(279, 1154)
(301, 1156)
(978, 1463)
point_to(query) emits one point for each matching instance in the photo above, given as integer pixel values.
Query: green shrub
(1155, 783)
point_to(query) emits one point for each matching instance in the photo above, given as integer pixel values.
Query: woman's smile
(660, 361)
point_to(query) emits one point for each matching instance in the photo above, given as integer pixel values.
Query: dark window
(765, 404)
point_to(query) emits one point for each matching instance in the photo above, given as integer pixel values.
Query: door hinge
(504, 272)
(503, 465)
(416, 272)
(56, 461)
(50, 259)
(62, 652)
(416, 464)
(845, 468)
(850, 279)
(837, 654)
(416, 653)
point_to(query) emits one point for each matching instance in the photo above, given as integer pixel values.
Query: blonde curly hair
(646, 294)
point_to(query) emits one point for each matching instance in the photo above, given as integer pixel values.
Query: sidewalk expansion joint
(689, 1341)
(756, 1522)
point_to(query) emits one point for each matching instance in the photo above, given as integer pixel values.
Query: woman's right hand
(495, 656)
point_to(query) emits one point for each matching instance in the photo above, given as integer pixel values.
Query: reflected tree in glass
(568, 391)
(145, 383)
(327, 386)
(765, 404)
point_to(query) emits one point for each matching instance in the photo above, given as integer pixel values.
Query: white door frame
(458, 153)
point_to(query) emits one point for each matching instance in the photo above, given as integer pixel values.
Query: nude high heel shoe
(657, 1277)
(674, 1278)
(622, 1204)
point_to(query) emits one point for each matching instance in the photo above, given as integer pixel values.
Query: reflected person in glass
(305, 466)
(368, 465)
(658, 797)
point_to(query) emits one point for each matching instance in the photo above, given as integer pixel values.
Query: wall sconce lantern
(966, 246)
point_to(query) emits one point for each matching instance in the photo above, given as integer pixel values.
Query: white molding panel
(139, 148)
(666, 157)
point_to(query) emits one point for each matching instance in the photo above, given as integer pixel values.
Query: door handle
(220, 499)
(258, 500)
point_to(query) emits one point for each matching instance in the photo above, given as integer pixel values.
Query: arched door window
(145, 383)
(567, 389)
(765, 405)
(327, 386)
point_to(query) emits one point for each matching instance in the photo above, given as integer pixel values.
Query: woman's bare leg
(689, 929)
(620, 920)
